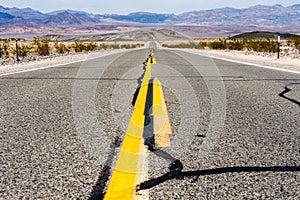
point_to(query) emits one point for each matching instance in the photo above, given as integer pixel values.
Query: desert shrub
(235, 45)
(296, 42)
(129, 46)
(262, 45)
(103, 46)
(219, 44)
(272, 46)
(4, 49)
(78, 46)
(114, 46)
(24, 50)
(203, 44)
(1, 51)
(42, 46)
(5, 40)
(90, 46)
(254, 45)
(125, 46)
(61, 48)
(290, 42)
(190, 45)
(132, 46)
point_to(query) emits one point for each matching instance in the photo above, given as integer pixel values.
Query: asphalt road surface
(235, 129)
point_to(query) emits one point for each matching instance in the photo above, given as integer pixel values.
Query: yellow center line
(122, 182)
(128, 168)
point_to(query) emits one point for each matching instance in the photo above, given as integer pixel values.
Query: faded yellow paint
(153, 61)
(162, 127)
(156, 105)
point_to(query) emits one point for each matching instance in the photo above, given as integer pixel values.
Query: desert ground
(290, 62)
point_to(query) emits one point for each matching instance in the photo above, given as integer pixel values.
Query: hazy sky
(127, 6)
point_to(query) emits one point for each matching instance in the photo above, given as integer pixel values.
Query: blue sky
(127, 6)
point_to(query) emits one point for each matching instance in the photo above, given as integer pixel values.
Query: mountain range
(259, 15)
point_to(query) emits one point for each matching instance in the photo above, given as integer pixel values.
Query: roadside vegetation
(45, 47)
(4, 49)
(295, 42)
(189, 45)
(266, 45)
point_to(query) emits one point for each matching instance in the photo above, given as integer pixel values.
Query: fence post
(278, 55)
(17, 50)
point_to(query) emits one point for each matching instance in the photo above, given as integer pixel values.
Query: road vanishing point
(150, 123)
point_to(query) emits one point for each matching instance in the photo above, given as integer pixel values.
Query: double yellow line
(129, 165)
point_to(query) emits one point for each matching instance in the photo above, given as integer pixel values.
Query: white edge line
(62, 64)
(39, 68)
(244, 63)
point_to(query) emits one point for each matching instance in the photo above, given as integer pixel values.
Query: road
(235, 129)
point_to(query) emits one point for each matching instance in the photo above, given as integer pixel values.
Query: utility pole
(278, 55)
(17, 50)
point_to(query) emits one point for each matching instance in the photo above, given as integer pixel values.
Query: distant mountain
(7, 19)
(27, 14)
(260, 16)
(6, 16)
(63, 18)
(295, 7)
(82, 17)
(254, 16)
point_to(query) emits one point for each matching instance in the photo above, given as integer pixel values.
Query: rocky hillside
(136, 35)
(261, 35)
